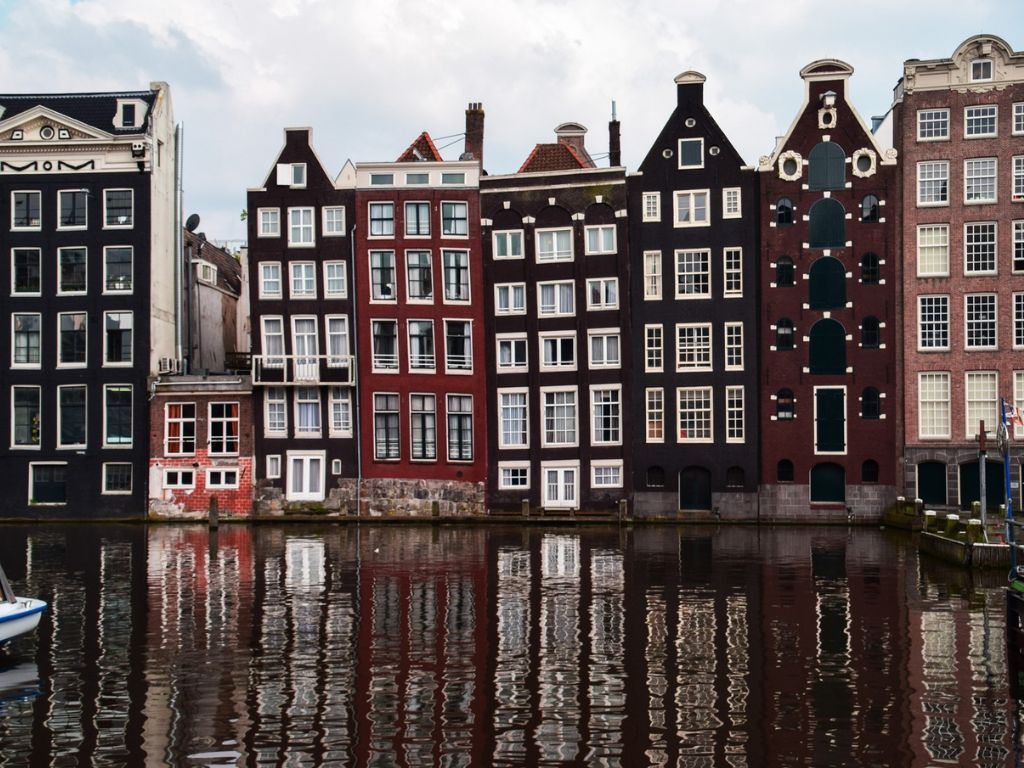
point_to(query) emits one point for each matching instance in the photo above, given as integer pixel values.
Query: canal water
(365, 645)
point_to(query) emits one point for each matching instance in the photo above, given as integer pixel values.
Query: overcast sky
(369, 76)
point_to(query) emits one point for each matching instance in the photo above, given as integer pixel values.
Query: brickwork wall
(194, 503)
(380, 497)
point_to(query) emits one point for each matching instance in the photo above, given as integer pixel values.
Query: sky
(369, 76)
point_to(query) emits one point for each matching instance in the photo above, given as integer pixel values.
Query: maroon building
(829, 381)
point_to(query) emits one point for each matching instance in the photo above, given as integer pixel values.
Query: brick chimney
(474, 147)
(614, 141)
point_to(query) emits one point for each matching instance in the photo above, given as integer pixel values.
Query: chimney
(474, 147)
(614, 143)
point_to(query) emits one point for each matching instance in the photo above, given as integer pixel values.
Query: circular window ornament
(827, 118)
(790, 166)
(46, 132)
(864, 161)
(666, 153)
(714, 151)
(690, 122)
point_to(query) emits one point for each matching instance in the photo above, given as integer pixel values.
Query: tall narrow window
(26, 271)
(458, 344)
(71, 344)
(71, 415)
(117, 269)
(300, 226)
(655, 411)
(784, 335)
(869, 269)
(118, 208)
(419, 276)
(870, 403)
(117, 338)
(73, 271)
(654, 346)
(25, 210)
(933, 405)
(605, 421)
(117, 416)
(26, 425)
(307, 412)
(933, 322)
(784, 273)
(224, 428)
(827, 347)
(276, 412)
(385, 344)
(341, 412)
(180, 429)
(421, 345)
(460, 428)
(513, 429)
(456, 275)
(27, 332)
(827, 167)
(869, 209)
(827, 284)
(784, 212)
(735, 428)
(337, 341)
(652, 275)
(980, 248)
(784, 405)
(733, 270)
(423, 426)
(382, 276)
(827, 225)
(870, 333)
(417, 219)
(385, 426)
(71, 208)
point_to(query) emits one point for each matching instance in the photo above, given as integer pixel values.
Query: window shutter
(284, 174)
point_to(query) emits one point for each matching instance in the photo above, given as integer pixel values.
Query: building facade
(829, 385)
(959, 124)
(557, 286)
(693, 252)
(88, 234)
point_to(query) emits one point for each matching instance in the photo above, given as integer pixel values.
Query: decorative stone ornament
(790, 166)
(864, 163)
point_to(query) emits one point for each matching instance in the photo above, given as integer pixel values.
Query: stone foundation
(953, 457)
(382, 498)
(734, 506)
(789, 503)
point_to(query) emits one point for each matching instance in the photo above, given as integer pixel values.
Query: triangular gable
(271, 177)
(421, 149)
(40, 114)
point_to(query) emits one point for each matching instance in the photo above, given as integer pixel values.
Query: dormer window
(206, 272)
(129, 113)
(981, 70)
(291, 174)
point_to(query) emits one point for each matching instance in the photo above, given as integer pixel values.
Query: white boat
(18, 615)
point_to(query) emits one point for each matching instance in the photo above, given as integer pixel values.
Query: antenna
(192, 222)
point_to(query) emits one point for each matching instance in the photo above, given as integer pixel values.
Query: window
(827, 224)
(291, 174)
(71, 342)
(510, 298)
(307, 412)
(508, 244)
(691, 153)
(305, 475)
(179, 478)
(784, 212)
(695, 418)
(456, 275)
(222, 479)
(981, 69)
(71, 418)
(606, 474)
(733, 269)
(27, 342)
(382, 276)
(270, 222)
(417, 179)
(785, 405)
(382, 219)
(385, 426)
(870, 333)
(1018, 178)
(559, 417)
(558, 350)
(980, 248)
(828, 484)
(26, 425)
(784, 273)
(305, 347)
(827, 347)
(117, 338)
(117, 269)
(655, 414)
(980, 321)
(826, 166)
(512, 409)
(734, 346)
(276, 411)
(980, 120)
(982, 400)
(337, 341)
(26, 272)
(932, 250)
(72, 209)
(273, 342)
(652, 275)
(932, 124)
(303, 275)
(1018, 118)
(72, 270)
(25, 207)
(512, 352)
(117, 415)
(1018, 320)
(454, 219)
(118, 208)
(333, 221)
(693, 347)
(654, 346)
(693, 274)
(224, 428)
(382, 179)
(932, 322)
(1018, 246)
(453, 178)
(419, 276)
(335, 280)
(600, 239)
(300, 226)
(556, 298)
(827, 284)
(604, 348)
(1018, 400)
(48, 483)
(735, 431)
(603, 293)
(117, 478)
(691, 209)
(784, 335)
(784, 471)
(560, 485)
(605, 421)
(417, 219)
(869, 269)
(933, 405)
(180, 429)
(732, 207)
(980, 180)
(933, 183)
(385, 344)
(655, 477)
(423, 426)
(513, 475)
(830, 431)
(458, 342)
(554, 245)
(870, 403)
(421, 345)
(340, 403)
(460, 428)
(870, 208)
(270, 280)
(651, 205)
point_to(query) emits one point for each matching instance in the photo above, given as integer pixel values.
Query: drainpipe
(179, 238)
(356, 409)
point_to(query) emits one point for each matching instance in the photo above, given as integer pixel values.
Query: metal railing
(303, 370)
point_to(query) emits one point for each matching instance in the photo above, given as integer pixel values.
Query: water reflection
(382, 646)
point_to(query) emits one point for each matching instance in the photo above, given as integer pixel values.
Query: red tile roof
(421, 149)
(555, 157)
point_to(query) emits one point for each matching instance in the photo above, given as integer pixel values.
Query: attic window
(127, 115)
(416, 179)
(691, 153)
(981, 70)
(453, 178)
(206, 272)
(382, 179)
(291, 174)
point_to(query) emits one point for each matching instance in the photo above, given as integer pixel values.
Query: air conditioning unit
(169, 365)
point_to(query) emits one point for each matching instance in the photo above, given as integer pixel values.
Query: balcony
(302, 370)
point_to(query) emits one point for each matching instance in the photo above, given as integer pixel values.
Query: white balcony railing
(303, 370)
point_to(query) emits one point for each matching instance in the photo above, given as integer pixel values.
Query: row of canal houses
(801, 339)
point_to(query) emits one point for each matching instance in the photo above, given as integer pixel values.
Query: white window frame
(602, 284)
(942, 232)
(414, 296)
(603, 335)
(972, 176)
(221, 484)
(60, 343)
(601, 233)
(467, 367)
(514, 341)
(301, 234)
(106, 491)
(921, 347)
(706, 392)
(1018, 247)
(448, 412)
(341, 359)
(651, 206)
(562, 468)
(36, 446)
(1017, 129)
(39, 267)
(995, 248)
(981, 78)
(422, 358)
(735, 416)
(732, 203)
(994, 322)
(107, 363)
(178, 483)
(550, 254)
(846, 422)
(306, 457)
(927, 118)
(429, 450)
(525, 393)
(597, 464)
(705, 349)
(933, 377)
(60, 210)
(342, 398)
(1017, 179)
(268, 222)
(654, 348)
(509, 237)
(654, 414)
(558, 336)
(60, 255)
(454, 298)
(544, 392)
(31, 227)
(732, 273)
(653, 276)
(181, 421)
(692, 208)
(60, 420)
(733, 333)
(39, 333)
(305, 432)
(970, 432)
(280, 405)
(558, 284)
(393, 364)
(272, 360)
(511, 289)
(513, 465)
(336, 294)
(679, 152)
(936, 166)
(291, 175)
(273, 471)
(127, 225)
(131, 440)
(705, 254)
(106, 282)
(332, 226)
(304, 273)
(595, 389)
(976, 108)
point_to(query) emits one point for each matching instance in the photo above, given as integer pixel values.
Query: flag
(1012, 415)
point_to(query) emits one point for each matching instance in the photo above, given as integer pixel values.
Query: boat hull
(19, 617)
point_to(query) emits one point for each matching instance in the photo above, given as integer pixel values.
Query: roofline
(540, 174)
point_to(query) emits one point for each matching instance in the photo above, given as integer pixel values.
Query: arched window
(870, 403)
(784, 334)
(784, 405)
(869, 471)
(784, 471)
(827, 224)
(655, 477)
(784, 212)
(734, 477)
(784, 277)
(826, 166)
(869, 269)
(827, 284)
(828, 483)
(828, 347)
(870, 334)
(869, 209)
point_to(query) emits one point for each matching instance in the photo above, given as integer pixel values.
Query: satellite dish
(192, 222)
